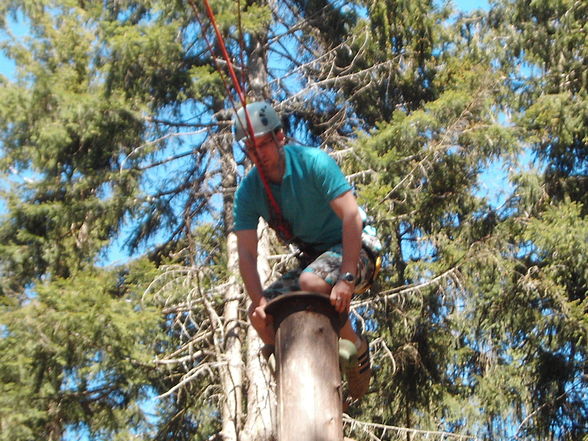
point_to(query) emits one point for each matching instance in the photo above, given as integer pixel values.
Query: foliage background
(114, 133)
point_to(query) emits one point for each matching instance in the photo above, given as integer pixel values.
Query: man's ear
(280, 136)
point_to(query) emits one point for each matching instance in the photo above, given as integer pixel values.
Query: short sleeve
(245, 210)
(328, 177)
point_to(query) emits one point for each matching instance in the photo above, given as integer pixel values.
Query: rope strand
(278, 222)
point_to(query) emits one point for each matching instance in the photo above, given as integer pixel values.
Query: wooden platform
(307, 367)
(304, 301)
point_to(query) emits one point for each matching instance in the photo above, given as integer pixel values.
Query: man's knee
(311, 282)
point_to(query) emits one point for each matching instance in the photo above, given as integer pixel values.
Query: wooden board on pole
(307, 362)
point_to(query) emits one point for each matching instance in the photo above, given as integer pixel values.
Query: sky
(470, 5)
(7, 67)
(492, 181)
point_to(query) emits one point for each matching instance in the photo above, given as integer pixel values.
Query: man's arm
(247, 250)
(345, 206)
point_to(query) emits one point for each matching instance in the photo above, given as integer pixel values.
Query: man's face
(268, 150)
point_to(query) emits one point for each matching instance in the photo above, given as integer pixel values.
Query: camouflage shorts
(326, 266)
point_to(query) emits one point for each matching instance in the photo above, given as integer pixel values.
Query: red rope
(281, 225)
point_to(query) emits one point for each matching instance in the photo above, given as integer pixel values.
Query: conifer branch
(370, 428)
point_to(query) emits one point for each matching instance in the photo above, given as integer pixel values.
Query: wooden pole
(307, 367)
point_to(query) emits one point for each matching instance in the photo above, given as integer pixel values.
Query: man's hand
(341, 296)
(262, 323)
(257, 313)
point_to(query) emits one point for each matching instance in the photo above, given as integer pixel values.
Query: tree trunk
(259, 424)
(309, 379)
(261, 402)
(232, 375)
(232, 378)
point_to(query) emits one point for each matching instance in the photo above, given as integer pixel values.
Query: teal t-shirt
(312, 179)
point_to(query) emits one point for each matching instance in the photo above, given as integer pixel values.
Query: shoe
(359, 373)
(267, 351)
(347, 354)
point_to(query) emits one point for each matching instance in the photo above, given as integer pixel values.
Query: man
(312, 205)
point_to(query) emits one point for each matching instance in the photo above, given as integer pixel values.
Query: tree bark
(261, 402)
(309, 379)
(259, 423)
(232, 378)
(232, 375)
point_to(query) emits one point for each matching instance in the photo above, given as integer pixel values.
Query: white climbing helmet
(263, 117)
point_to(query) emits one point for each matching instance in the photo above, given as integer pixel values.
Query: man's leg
(358, 373)
(261, 322)
(309, 281)
(319, 276)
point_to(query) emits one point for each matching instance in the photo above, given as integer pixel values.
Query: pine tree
(549, 221)
(117, 129)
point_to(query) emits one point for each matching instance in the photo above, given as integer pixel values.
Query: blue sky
(19, 29)
(8, 69)
(470, 5)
